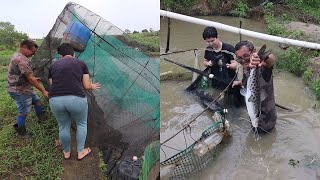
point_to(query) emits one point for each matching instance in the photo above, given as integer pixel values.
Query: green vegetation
(150, 40)
(276, 24)
(295, 60)
(9, 41)
(9, 37)
(178, 4)
(241, 9)
(310, 7)
(102, 165)
(38, 41)
(34, 158)
(5, 56)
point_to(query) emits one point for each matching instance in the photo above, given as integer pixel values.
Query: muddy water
(294, 137)
(189, 36)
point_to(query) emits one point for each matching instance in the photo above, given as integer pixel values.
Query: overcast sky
(37, 17)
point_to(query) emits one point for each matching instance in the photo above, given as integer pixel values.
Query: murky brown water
(294, 137)
(189, 36)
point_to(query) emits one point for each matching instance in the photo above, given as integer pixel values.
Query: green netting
(125, 112)
(151, 158)
(187, 161)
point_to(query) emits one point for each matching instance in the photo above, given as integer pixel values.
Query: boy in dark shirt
(220, 58)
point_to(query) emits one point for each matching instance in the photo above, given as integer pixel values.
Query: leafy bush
(308, 76)
(316, 88)
(4, 60)
(241, 9)
(294, 60)
(9, 37)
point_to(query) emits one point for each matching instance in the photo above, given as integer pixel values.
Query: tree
(127, 31)
(9, 37)
(151, 30)
(135, 32)
(145, 30)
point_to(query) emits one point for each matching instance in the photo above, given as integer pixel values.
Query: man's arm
(233, 65)
(33, 80)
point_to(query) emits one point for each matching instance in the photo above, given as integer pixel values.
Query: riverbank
(291, 19)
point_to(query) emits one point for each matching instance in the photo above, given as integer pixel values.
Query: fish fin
(263, 95)
(243, 91)
(262, 51)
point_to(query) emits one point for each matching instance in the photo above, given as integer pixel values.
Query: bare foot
(84, 153)
(66, 155)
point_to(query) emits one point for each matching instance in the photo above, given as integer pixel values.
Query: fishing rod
(211, 76)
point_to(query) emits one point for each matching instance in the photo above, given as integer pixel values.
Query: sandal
(88, 152)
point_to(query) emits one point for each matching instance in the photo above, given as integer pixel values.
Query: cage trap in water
(197, 155)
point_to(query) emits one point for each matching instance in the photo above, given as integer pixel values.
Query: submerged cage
(125, 112)
(189, 160)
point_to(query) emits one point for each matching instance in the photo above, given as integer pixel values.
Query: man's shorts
(24, 101)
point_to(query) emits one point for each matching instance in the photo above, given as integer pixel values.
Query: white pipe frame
(239, 30)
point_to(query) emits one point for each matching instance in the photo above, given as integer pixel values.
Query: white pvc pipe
(239, 30)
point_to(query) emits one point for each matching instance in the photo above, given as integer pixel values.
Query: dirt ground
(88, 168)
(311, 31)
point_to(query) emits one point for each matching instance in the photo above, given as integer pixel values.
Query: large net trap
(125, 113)
(198, 142)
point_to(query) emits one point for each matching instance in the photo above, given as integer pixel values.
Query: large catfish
(253, 93)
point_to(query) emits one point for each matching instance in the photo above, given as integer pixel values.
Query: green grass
(296, 61)
(241, 9)
(149, 40)
(34, 158)
(38, 41)
(5, 56)
(293, 59)
(309, 7)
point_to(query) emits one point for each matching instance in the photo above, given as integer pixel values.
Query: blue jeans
(24, 101)
(65, 109)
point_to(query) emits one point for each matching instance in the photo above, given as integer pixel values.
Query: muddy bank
(311, 32)
(249, 9)
(181, 76)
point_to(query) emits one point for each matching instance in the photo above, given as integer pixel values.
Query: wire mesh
(125, 113)
(187, 161)
(181, 163)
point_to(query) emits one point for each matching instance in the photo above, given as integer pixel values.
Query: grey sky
(37, 17)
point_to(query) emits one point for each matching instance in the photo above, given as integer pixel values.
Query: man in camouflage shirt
(20, 82)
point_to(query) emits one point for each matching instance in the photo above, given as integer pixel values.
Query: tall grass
(150, 40)
(34, 158)
(5, 56)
